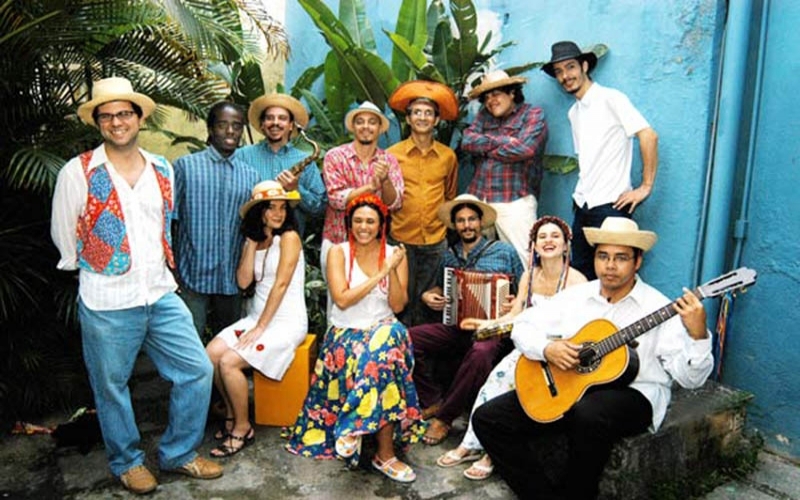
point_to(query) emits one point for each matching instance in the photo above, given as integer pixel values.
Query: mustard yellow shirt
(430, 180)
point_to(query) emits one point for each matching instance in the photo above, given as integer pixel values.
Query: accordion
(473, 294)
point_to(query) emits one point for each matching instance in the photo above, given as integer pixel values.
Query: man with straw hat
(356, 168)
(604, 123)
(468, 216)
(277, 116)
(112, 210)
(506, 142)
(430, 174)
(675, 350)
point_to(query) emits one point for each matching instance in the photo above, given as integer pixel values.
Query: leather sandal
(436, 433)
(227, 449)
(223, 430)
(478, 472)
(452, 458)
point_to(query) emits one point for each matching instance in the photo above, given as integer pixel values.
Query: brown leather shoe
(138, 480)
(200, 468)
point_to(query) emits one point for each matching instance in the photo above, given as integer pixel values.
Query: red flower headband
(375, 202)
(368, 199)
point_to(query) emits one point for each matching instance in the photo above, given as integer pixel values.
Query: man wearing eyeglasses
(430, 173)
(210, 186)
(112, 209)
(677, 350)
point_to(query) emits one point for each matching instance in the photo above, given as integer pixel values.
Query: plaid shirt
(499, 258)
(209, 189)
(507, 154)
(343, 172)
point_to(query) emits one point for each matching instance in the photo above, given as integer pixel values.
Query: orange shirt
(430, 180)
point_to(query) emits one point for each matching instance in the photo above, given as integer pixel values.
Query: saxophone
(298, 167)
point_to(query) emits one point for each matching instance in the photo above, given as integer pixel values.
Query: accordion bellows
(473, 294)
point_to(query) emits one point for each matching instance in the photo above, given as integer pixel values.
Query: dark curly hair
(253, 225)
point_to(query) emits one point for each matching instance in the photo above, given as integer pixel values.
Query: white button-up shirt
(148, 278)
(666, 352)
(603, 125)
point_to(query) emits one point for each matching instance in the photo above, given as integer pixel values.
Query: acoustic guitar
(546, 392)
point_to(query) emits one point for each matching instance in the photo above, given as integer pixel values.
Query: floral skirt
(361, 382)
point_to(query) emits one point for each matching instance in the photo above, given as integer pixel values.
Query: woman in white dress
(276, 322)
(548, 273)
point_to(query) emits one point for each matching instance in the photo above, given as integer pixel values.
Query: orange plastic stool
(278, 403)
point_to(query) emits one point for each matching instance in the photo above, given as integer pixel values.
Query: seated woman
(276, 322)
(548, 274)
(362, 380)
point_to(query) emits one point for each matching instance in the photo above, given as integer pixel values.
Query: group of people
(238, 217)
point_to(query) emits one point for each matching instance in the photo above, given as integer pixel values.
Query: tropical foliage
(186, 54)
(430, 42)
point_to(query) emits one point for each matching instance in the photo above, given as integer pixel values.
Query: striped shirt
(209, 189)
(269, 164)
(507, 153)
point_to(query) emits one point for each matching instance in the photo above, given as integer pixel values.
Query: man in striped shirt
(506, 141)
(210, 186)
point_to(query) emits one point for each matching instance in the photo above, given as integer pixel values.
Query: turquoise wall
(763, 353)
(665, 56)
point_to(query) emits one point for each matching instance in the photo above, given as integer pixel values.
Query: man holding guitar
(559, 364)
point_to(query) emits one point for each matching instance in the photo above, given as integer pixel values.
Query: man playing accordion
(468, 216)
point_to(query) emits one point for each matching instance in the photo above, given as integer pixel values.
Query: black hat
(562, 51)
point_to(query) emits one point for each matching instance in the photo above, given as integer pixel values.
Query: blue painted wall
(763, 353)
(665, 56)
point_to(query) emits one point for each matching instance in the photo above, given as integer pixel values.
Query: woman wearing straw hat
(276, 321)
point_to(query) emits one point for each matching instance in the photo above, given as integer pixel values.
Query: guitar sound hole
(588, 359)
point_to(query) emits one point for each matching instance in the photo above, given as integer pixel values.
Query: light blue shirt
(268, 164)
(209, 189)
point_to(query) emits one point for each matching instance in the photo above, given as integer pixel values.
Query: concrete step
(701, 436)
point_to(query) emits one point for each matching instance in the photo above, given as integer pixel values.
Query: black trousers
(592, 427)
(582, 252)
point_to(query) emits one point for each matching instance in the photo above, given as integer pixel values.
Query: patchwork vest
(103, 245)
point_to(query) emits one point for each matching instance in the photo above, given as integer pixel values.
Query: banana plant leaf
(354, 16)
(559, 164)
(412, 27)
(415, 59)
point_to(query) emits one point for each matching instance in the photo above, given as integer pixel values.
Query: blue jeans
(111, 342)
(582, 252)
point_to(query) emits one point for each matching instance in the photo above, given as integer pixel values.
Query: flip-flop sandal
(225, 450)
(484, 472)
(347, 446)
(451, 458)
(404, 475)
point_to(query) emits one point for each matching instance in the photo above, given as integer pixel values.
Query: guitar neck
(634, 330)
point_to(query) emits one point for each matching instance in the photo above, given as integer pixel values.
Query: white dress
(499, 382)
(273, 352)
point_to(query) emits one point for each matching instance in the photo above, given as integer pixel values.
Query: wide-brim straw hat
(441, 94)
(268, 191)
(365, 107)
(445, 210)
(284, 101)
(564, 51)
(620, 231)
(495, 80)
(114, 89)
